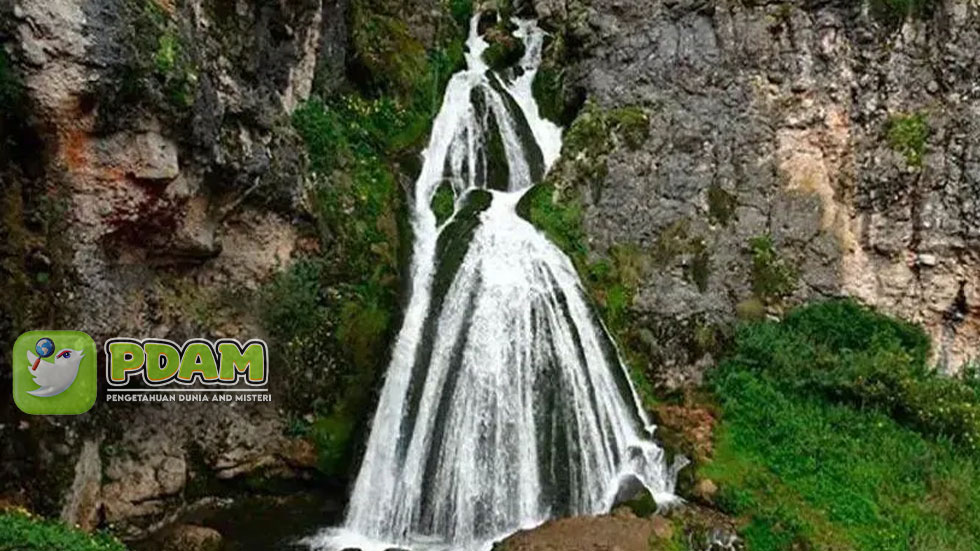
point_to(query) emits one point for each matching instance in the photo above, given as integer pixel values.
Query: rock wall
(846, 133)
(155, 184)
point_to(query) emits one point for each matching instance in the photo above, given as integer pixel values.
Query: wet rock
(624, 532)
(190, 537)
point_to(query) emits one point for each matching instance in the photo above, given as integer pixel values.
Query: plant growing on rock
(907, 134)
(773, 278)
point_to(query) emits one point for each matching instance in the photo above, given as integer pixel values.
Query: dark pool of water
(262, 523)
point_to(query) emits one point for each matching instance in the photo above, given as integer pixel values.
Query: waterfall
(505, 402)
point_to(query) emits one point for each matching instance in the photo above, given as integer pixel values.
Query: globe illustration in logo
(44, 347)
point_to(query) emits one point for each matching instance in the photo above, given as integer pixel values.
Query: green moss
(503, 53)
(462, 11)
(631, 124)
(443, 202)
(559, 217)
(907, 134)
(773, 278)
(391, 58)
(721, 204)
(589, 132)
(21, 531)
(837, 436)
(592, 136)
(547, 88)
(454, 242)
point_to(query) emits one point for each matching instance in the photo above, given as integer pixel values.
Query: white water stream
(505, 403)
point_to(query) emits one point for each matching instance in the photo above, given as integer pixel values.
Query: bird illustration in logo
(53, 378)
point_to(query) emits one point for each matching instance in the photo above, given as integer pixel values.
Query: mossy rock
(530, 147)
(721, 204)
(907, 134)
(495, 173)
(504, 49)
(443, 202)
(454, 242)
(557, 101)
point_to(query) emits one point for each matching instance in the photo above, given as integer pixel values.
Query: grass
(836, 436)
(907, 134)
(22, 531)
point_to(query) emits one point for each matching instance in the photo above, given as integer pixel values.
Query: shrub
(22, 531)
(836, 435)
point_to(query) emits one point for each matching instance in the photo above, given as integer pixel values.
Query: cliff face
(845, 132)
(154, 186)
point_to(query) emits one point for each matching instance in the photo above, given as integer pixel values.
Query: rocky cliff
(155, 185)
(796, 150)
(162, 177)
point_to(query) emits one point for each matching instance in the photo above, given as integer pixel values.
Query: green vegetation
(907, 134)
(443, 202)
(590, 139)
(342, 301)
(836, 435)
(548, 86)
(159, 67)
(504, 49)
(462, 11)
(22, 531)
(773, 278)
(721, 204)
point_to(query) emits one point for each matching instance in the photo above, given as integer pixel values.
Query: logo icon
(54, 372)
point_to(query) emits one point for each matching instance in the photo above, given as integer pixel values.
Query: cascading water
(505, 403)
